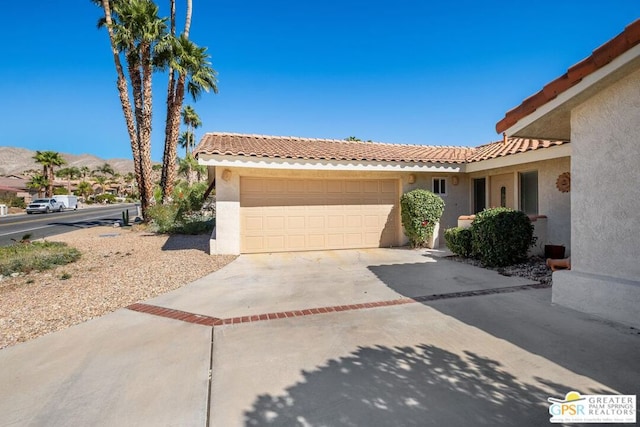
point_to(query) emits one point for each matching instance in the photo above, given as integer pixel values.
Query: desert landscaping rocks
(115, 271)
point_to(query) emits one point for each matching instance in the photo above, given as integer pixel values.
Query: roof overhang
(553, 119)
(548, 153)
(326, 165)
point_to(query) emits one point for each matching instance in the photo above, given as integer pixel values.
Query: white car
(44, 206)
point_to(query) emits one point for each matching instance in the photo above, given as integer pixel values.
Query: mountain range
(15, 161)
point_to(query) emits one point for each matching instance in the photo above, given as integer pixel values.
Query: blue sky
(403, 71)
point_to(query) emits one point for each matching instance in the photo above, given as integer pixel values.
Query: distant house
(596, 105)
(276, 194)
(14, 186)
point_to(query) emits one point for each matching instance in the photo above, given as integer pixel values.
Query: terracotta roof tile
(600, 57)
(325, 149)
(512, 146)
(288, 147)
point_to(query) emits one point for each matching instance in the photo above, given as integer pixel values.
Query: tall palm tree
(193, 122)
(185, 140)
(135, 30)
(84, 189)
(68, 173)
(105, 169)
(38, 182)
(195, 74)
(101, 180)
(49, 161)
(190, 169)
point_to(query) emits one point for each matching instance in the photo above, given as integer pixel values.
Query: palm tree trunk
(187, 22)
(145, 128)
(123, 91)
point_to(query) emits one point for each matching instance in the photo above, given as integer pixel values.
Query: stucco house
(277, 194)
(596, 106)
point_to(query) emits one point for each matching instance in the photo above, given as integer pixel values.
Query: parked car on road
(44, 206)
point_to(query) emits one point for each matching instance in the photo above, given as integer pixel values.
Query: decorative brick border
(200, 319)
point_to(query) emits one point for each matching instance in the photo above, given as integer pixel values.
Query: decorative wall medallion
(563, 183)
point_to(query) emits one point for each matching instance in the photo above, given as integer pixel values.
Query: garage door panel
(297, 214)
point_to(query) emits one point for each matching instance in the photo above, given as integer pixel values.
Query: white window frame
(440, 181)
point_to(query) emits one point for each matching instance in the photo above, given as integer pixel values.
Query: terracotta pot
(554, 251)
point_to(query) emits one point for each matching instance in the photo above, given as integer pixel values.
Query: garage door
(279, 215)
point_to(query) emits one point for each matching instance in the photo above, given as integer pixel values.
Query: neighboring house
(277, 194)
(14, 186)
(596, 105)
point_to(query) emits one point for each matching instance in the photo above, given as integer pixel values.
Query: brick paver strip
(200, 319)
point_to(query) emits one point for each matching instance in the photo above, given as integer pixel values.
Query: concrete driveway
(385, 337)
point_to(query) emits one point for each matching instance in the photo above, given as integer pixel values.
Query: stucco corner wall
(605, 133)
(225, 239)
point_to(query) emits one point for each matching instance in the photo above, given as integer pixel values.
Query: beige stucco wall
(605, 131)
(226, 236)
(551, 202)
(456, 200)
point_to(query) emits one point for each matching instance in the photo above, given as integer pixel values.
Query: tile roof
(288, 147)
(600, 57)
(511, 146)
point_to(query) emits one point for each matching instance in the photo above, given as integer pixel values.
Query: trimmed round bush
(421, 210)
(501, 237)
(458, 240)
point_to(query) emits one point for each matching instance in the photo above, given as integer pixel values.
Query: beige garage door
(278, 215)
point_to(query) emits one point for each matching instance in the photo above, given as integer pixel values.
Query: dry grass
(117, 268)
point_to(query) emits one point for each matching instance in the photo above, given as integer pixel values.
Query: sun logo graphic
(577, 408)
(570, 406)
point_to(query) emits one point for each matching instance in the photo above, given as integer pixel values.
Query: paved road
(45, 225)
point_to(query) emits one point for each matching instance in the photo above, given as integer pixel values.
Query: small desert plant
(38, 256)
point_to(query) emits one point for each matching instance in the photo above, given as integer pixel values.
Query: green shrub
(501, 237)
(105, 198)
(458, 240)
(57, 191)
(14, 202)
(26, 257)
(163, 217)
(421, 210)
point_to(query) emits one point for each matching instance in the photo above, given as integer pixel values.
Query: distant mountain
(15, 161)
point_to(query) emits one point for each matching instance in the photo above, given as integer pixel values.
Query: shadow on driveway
(601, 350)
(407, 386)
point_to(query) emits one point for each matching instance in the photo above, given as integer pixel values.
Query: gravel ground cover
(535, 268)
(118, 267)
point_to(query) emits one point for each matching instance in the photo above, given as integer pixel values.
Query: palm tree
(194, 71)
(189, 167)
(39, 183)
(84, 189)
(185, 140)
(105, 169)
(69, 173)
(135, 30)
(101, 180)
(49, 160)
(192, 120)
(85, 171)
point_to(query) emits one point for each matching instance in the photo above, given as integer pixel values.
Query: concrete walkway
(326, 338)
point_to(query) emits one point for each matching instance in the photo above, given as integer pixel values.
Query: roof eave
(552, 121)
(334, 165)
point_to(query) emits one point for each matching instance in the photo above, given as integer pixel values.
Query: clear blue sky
(403, 71)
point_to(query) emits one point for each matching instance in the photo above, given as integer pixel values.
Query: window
(529, 192)
(503, 197)
(440, 186)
